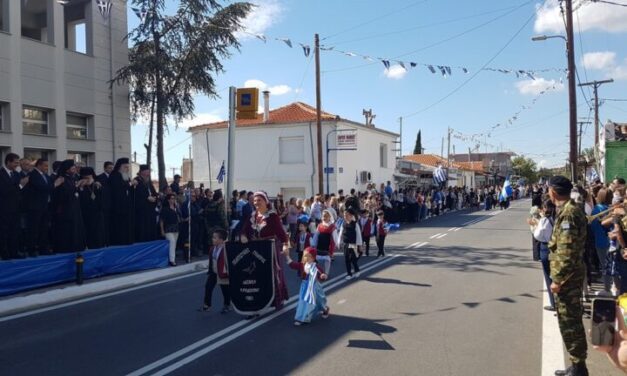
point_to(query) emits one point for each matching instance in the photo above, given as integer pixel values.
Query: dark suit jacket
(37, 192)
(10, 193)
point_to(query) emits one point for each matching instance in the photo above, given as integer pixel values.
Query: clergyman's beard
(126, 176)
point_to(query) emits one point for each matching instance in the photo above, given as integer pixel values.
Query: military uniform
(568, 270)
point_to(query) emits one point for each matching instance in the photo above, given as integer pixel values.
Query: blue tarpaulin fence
(31, 273)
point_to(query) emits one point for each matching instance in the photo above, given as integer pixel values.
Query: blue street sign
(328, 170)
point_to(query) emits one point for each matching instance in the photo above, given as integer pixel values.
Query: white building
(279, 154)
(55, 64)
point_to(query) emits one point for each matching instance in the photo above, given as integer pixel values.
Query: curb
(21, 304)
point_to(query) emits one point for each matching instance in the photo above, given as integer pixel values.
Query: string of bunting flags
(444, 70)
(478, 139)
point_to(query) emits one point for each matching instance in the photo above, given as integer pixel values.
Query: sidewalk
(64, 294)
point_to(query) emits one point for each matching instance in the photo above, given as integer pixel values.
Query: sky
(526, 115)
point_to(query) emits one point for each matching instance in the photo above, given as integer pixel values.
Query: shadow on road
(394, 281)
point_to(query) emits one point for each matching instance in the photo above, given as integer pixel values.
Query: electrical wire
(374, 19)
(442, 41)
(609, 2)
(475, 74)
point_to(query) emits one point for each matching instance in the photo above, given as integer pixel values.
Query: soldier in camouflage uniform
(567, 272)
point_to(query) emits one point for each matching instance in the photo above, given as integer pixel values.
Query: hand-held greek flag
(221, 173)
(439, 175)
(507, 190)
(312, 271)
(592, 175)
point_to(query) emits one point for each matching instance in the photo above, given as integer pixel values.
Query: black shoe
(578, 369)
(225, 310)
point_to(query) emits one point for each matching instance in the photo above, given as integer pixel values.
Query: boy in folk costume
(303, 239)
(365, 223)
(381, 233)
(351, 241)
(218, 272)
(325, 241)
(311, 298)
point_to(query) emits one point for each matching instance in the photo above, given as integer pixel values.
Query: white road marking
(552, 349)
(341, 301)
(421, 245)
(413, 245)
(436, 235)
(339, 280)
(451, 229)
(457, 229)
(441, 236)
(85, 300)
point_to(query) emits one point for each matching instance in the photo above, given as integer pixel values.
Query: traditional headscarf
(263, 195)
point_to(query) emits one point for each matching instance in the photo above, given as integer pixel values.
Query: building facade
(56, 62)
(278, 154)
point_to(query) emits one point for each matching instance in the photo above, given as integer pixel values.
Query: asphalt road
(468, 302)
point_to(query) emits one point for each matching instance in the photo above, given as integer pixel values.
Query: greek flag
(221, 173)
(104, 7)
(439, 175)
(310, 295)
(507, 190)
(592, 175)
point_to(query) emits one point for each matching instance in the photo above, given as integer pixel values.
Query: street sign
(247, 103)
(347, 139)
(328, 170)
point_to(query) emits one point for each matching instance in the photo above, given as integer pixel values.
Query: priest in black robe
(69, 233)
(121, 188)
(145, 206)
(92, 208)
(103, 179)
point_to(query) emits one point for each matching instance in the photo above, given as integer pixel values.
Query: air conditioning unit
(365, 177)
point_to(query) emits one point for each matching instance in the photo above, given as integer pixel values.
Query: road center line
(421, 245)
(441, 236)
(413, 245)
(291, 303)
(433, 236)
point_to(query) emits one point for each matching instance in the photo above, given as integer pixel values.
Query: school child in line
(350, 242)
(365, 223)
(303, 239)
(218, 272)
(311, 299)
(325, 240)
(381, 233)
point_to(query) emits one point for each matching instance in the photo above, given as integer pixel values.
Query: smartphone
(603, 322)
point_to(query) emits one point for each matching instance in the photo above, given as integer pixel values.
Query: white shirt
(543, 231)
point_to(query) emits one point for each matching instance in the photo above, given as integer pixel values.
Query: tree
(418, 147)
(176, 57)
(525, 167)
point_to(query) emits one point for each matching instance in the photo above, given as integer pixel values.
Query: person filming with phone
(567, 273)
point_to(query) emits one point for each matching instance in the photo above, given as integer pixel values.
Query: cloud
(590, 16)
(264, 15)
(599, 60)
(202, 118)
(534, 87)
(396, 72)
(606, 61)
(274, 90)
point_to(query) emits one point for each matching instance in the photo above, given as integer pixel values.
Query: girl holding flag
(311, 298)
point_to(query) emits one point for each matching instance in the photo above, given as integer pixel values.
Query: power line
(609, 2)
(476, 73)
(455, 36)
(417, 27)
(374, 19)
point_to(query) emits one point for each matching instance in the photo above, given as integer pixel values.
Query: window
(76, 26)
(35, 154)
(76, 126)
(82, 159)
(4, 15)
(383, 155)
(4, 118)
(34, 121)
(37, 21)
(291, 150)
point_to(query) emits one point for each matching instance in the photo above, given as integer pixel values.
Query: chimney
(266, 106)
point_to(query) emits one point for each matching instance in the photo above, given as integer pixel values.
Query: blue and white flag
(439, 175)
(507, 190)
(591, 175)
(104, 7)
(221, 174)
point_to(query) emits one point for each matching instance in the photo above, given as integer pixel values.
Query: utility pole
(191, 164)
(448, 148)
(318, 115)
(595, 86)
(400, 142)
(572, 94)
(442, 149)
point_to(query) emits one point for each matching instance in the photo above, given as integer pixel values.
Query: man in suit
(11, 186)
(103, 179)
(36, 201)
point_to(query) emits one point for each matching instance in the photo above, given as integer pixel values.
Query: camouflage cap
(561, 185)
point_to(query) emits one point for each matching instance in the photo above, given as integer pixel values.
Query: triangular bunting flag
(140, 13)
(386, 63)
(413, 65)
(465, 70)
(402, 64)
(261, 37)
(442, 70)
(306, 49)
(431, 68)
(286, 40)
(448, 70)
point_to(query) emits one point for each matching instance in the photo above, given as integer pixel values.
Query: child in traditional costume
(303, 239)
(351, 241)
(325, 240)
(218, 272)
(381, 233)
(365, 222)
(311, 299)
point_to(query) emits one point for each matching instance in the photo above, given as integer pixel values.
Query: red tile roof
(433, 160)
(476, 166)
(297, 112)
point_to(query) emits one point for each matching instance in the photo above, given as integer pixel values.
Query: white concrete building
(55, 64)
(279, 154)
